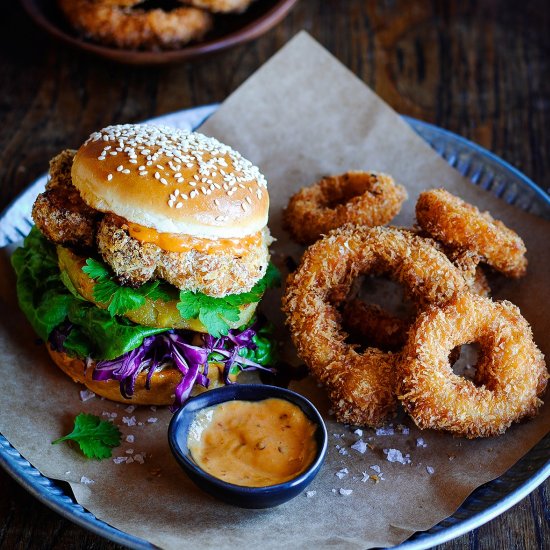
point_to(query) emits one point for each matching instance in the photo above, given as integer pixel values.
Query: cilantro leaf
(120, 299)
(94, 436)
(216, 314)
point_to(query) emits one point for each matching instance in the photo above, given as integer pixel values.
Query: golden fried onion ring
(456, 223)
(360, 385)
(124, 25)
(510, 374)
(361, 198)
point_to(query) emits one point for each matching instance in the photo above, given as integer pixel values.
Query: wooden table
(479, 69)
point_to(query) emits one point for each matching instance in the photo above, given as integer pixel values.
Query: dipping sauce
(253, 443)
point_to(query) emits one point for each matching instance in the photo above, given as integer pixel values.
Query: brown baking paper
(301, 116)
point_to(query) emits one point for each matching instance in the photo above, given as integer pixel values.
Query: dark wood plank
(477, 68)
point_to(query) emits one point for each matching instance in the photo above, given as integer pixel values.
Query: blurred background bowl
(229, 30)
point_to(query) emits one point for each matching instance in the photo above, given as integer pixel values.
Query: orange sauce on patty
(176, 242)
(253, 444)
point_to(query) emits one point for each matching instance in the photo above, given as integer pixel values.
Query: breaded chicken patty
(65, 219)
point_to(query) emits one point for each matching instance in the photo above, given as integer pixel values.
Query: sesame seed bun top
(172, 181)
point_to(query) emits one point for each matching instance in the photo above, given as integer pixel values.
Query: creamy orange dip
(254, 444)
(175, 242)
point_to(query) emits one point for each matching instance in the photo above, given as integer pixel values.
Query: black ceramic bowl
(245, 497)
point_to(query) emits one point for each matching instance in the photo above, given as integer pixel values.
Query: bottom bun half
(163, 382)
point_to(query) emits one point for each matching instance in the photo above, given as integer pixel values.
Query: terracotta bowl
(229, 30)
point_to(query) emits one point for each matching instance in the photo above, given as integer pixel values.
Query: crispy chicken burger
(146, 264)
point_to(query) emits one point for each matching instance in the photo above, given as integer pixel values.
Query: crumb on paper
(68, 472)
(86, 480)
(129, 460)
(342, 473)
(153, 408)
(345, 492)
(403, 429)
(120, 459)
(430, 470)
(139, 458)
(156, 472)
(395, 455)
(86, 395)
(114, 415)
(331, 412)
(130, 438)
(310, 494)
(129, 420)
(140, 423)
(129, 451)
(360, 446)
(130, 409)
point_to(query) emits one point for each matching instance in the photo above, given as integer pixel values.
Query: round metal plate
(488, 501)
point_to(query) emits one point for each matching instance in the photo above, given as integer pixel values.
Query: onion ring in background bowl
(128, 26)
(456, 223)
(361, 198)
(360, 385)
(510, 372)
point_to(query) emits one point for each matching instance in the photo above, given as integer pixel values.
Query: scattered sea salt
(140, 423)
(345, 492)
(310, 494)
(130, 438)
(376, 468)
(130, 409)
(120, 459)
(152, 420)
(360, 446)
(395, 455)
(114, 415)
(420, 442)
(343, 451)
(358, 432)
(86, 395)
(86, 480)
(403, 429)
(342, 473)
(365, 477)
(430, 470)
(129, 421)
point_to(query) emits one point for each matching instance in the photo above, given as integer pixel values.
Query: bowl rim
(253, 29)
(264, 391)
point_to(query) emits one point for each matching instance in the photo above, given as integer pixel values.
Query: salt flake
(345, 492)
(359, 446)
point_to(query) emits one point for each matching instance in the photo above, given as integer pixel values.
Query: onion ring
(361, 198)
(123, 26)
(458, 224)
(510, 375)
(221, 6)
(360, 385)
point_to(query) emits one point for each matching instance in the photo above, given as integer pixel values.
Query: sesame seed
(157, 175)
(109, 177)
(143, 173)
(163, 181)
(126, 171)
(179, 205)
(119, 168)
(180, 180)
(178, 175)
(248, 200)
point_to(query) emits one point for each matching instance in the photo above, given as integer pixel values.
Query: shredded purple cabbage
(174, 347)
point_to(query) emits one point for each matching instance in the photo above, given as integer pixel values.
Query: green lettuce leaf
(216, 314)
